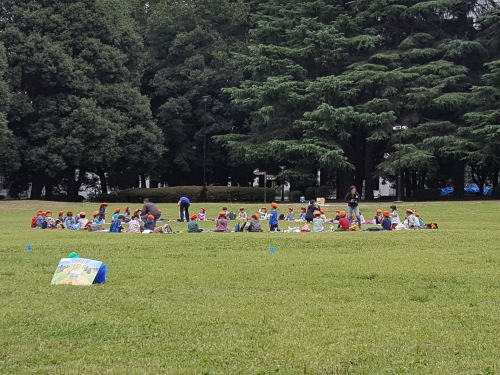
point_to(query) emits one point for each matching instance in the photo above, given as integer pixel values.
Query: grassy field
(406, 302)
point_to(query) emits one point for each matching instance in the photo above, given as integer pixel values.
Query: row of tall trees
(132, 88)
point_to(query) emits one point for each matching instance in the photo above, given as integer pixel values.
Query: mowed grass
(406, 302)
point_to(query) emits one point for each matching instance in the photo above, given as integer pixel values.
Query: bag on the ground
(431, 225)
(94, 227)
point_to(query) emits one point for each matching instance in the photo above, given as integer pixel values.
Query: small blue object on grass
(73, 255)
(29, 247)
(272, 250)
(101, 274)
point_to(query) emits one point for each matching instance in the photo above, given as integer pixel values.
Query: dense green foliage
(113, 91)
(355, 303)
(173, 193)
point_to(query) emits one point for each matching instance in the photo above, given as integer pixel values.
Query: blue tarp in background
(471, 190)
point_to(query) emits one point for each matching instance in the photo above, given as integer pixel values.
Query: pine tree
(294, 54)
(190, 47)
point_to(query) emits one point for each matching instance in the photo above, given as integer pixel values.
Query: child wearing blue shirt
(150, 223)
(273, 218)
(386, 222)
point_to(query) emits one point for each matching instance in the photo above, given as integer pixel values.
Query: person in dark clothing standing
(352, 199)
(184, 204)
(149, 209)
(313, 206)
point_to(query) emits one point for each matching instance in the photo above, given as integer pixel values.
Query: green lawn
(406, 302)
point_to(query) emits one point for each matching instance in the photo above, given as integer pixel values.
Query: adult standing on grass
(184, 204)
(149, 209)
(313, 206)
(352, 199)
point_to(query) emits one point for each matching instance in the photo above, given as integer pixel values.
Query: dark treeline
(109, 92)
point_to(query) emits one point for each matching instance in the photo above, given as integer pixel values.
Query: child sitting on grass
(318, 222)
(411, 221)
(302, 215)
(394, 217)
(116, 214)
(221, 223)
(193, 225)
(263, 213)
(35, 218)
(290, 215)
(126, 214)
(378, 218)
(96, 218)
(386, 223)
(134, 226)
(343, 222)
(69, 221)
(150, 223)
(242, 215)
(255, 224)
(82, 221)
(202, 216)
(116, 225)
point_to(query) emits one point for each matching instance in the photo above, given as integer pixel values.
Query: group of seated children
(387, 220)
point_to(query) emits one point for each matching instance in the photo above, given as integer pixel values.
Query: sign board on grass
(76, 271)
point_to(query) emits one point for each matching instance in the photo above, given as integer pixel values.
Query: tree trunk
(49, 194)
(369, 170)
(104, 182)
(458, 178)
(37, 184)
(70, 190)
(143, 180)
(495, 178)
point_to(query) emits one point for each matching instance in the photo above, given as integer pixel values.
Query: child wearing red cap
(102, 211)
(51, 223)
(378, 218)
(242, 215)
(273, 218)
(343, 222)
(35, 218)
(411, 221)
(290, 215)
(263, 213)
(386, 223)
(149, 224)
(322, 215)
(255, 224)
(221, 223)
(82, 221)
(193, 226)
(126, 214)
(318, 222)
(60, 217)
(116, 214)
